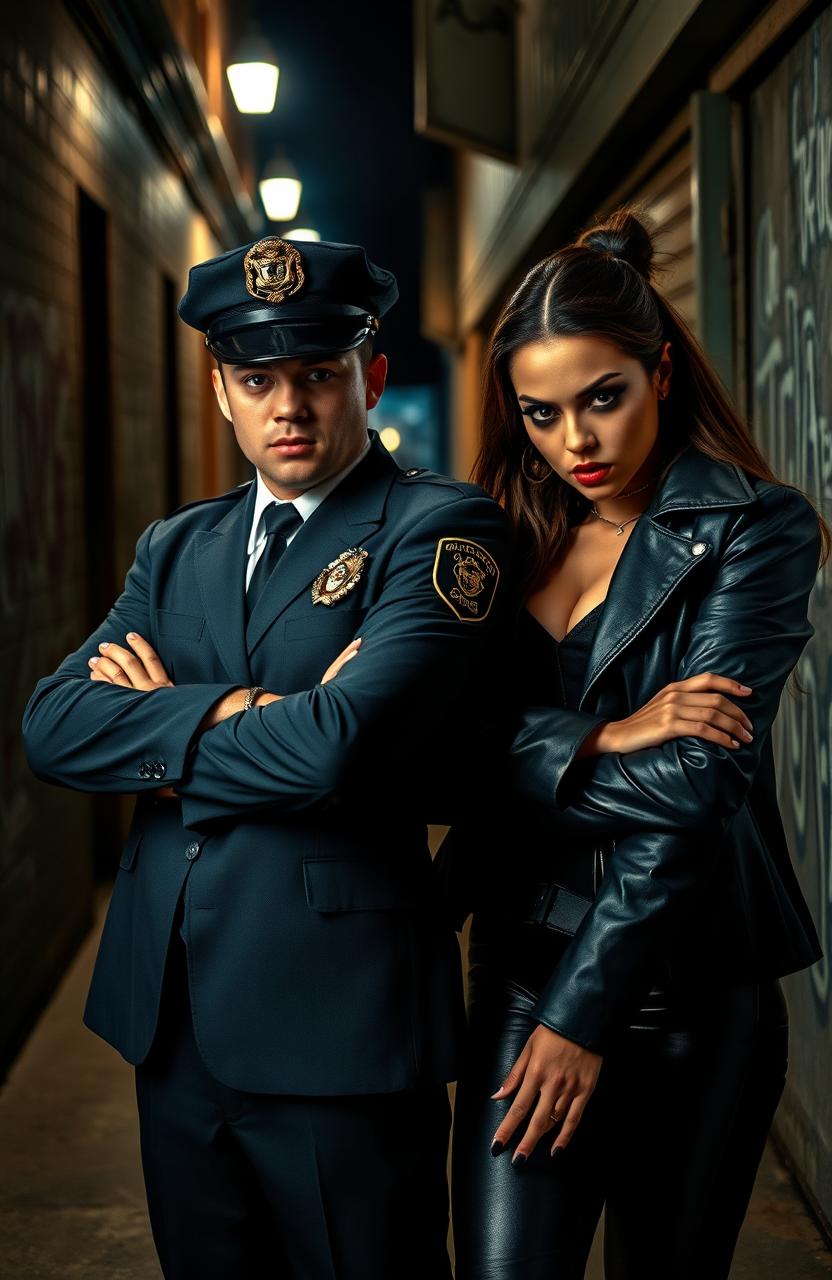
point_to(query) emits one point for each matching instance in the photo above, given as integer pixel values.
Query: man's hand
(343, 658)
(138, 667)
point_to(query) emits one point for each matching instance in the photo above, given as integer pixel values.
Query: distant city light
(390, 438)
(253, 75)
(302, 233)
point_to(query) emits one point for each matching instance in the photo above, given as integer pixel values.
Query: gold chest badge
(466, 577)
(340, 576)
(274, 270)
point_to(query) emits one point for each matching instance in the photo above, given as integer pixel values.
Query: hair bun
(624, 235)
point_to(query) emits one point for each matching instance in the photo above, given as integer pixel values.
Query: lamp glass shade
(302, 233)
(281, 197)
(254, 86)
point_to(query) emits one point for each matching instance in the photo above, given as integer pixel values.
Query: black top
(545, 672)
(544, 681)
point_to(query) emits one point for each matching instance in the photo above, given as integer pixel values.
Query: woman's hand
(697, 707)
(138, 667)
(554, 1079)
(343, 658)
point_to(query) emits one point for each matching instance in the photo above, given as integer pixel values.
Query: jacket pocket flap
(186, 625)
(131, 848)
(352, 885)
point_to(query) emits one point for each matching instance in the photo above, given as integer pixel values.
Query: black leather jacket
(715, 577)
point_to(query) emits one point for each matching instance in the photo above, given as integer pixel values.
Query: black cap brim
(268, 340)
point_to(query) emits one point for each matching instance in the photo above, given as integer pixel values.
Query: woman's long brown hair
(602, 286)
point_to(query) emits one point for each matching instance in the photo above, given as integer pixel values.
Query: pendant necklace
(619, 528)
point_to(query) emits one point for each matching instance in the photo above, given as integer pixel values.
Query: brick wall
(64, 124)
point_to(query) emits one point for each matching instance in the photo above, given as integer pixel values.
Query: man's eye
(255, 380)
(320, 375)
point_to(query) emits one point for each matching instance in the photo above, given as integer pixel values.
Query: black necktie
(280, 520)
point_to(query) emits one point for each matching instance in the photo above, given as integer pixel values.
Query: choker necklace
(619, 528)
(628, 493)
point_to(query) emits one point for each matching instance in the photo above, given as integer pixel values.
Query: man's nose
(288, 401)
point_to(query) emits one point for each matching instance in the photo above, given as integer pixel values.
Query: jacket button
(145, 769)
(414, 471)
(192, 851)
(698, 548)
(159, 768)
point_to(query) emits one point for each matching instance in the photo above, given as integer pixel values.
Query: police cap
(270, 301)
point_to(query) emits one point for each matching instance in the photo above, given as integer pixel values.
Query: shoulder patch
(465, 575)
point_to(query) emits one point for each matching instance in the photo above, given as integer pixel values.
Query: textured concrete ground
(71, 1197)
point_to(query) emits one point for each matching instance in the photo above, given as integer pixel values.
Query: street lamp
(253, 75)
(280, 189)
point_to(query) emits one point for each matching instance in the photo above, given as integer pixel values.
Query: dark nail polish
(497, 1148)
(518, 1161)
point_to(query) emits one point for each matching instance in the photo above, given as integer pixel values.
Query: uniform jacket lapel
(347, 516)
(220, 557)
(658, 558)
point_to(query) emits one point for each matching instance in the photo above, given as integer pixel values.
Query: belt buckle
(542, 903)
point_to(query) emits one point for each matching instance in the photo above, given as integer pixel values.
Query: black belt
(556, 908)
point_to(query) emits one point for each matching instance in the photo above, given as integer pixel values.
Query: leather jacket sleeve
(752, 627)
(668, 807)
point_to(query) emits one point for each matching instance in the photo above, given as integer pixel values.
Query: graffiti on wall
(791, 167)
(39, 608)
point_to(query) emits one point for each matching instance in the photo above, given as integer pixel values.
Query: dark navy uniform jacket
(318, 959)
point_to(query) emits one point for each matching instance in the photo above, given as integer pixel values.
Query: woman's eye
(540, 414)
(607, 398)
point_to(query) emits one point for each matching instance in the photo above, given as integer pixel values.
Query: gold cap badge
(466, 577)
(273, 269)
(339, 577)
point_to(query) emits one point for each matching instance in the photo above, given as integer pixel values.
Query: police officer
(275, 683)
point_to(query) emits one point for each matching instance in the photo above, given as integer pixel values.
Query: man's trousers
(246, 1185)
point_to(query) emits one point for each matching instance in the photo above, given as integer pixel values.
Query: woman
(662, 608)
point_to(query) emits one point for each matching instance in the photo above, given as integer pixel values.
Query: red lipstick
(591, 473)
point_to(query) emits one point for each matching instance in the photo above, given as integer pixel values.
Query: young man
(275, 683)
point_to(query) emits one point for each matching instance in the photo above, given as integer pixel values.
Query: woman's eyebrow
(593, 386)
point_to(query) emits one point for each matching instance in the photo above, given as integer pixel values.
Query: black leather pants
(669, 1144)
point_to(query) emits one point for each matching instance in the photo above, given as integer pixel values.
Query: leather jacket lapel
(657, 558)
(652, 565)
(220, 558)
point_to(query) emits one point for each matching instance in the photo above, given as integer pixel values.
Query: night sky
(344, 115)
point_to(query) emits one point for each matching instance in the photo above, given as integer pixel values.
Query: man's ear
(219, 392)
(376, 377)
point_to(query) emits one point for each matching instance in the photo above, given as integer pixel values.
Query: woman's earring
(538, 461)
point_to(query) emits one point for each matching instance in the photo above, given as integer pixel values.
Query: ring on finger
(554, 1117)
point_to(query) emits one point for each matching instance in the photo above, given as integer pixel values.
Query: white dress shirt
(305, 505)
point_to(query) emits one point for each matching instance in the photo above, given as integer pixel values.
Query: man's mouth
(293, 446)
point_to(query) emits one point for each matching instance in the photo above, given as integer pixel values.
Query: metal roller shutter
(666, 198)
